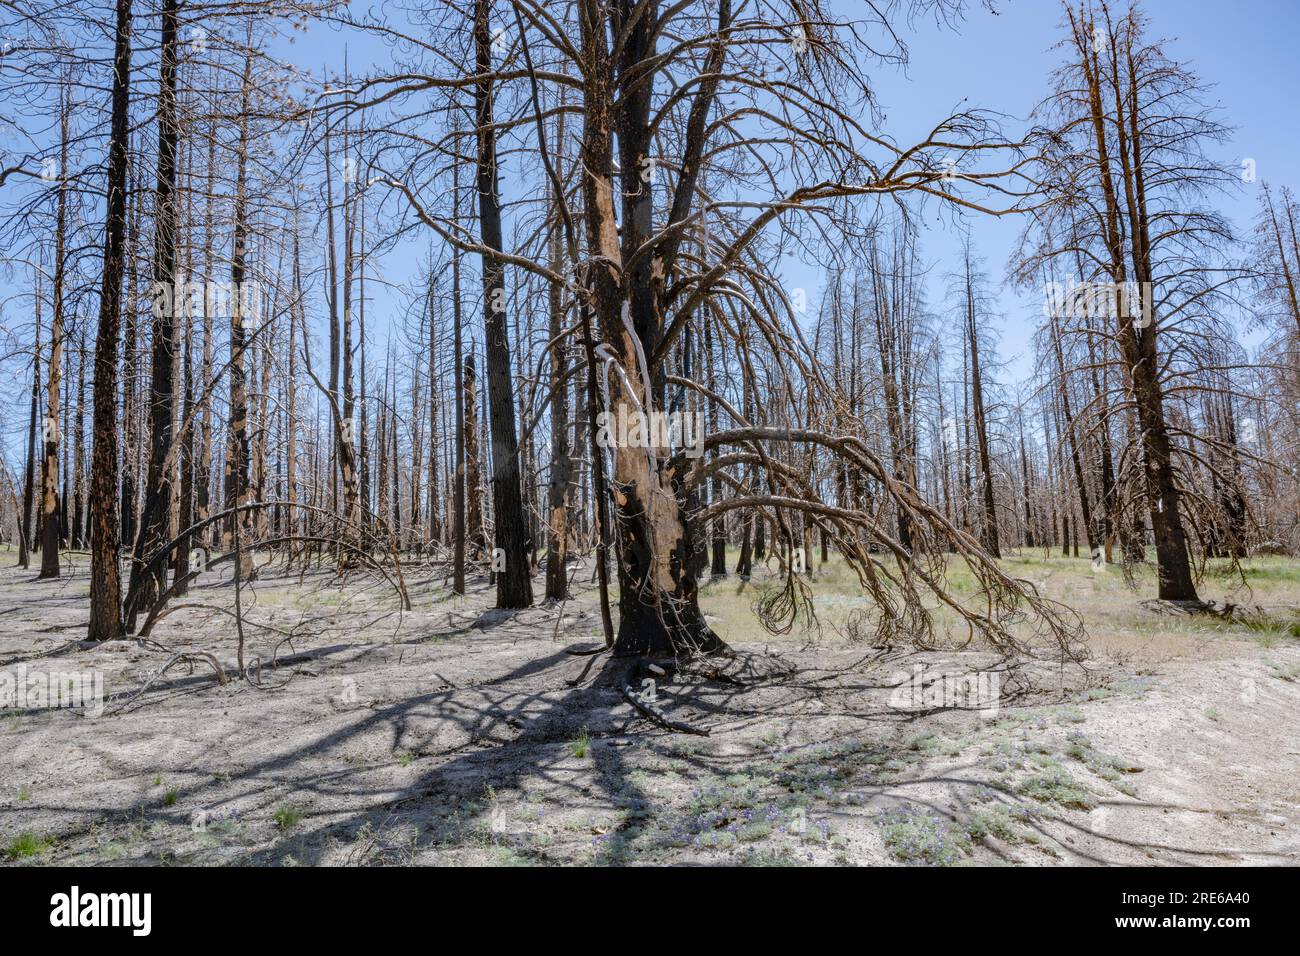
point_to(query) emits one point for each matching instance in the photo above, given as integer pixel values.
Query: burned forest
(613, 432)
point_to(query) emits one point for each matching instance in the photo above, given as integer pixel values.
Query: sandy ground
(455, 734)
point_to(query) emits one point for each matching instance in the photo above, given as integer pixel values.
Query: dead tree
(162, 387)
(105, 572)
(238, 462)
(664, 144)
(1126, 173)
(514, 587)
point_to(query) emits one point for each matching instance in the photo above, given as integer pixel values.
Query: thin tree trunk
(560, 479)
(25, 533)
(990, 536)
(238, 469)
(148, 582)
(477, 542)
(1069, 428)
(51, 506)
(514, 587)
(462, 393)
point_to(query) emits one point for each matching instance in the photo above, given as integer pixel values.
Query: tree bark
(237, 469)
(147, 583)
(514, 587)
(561, 468)
(105, 572)
(458, 505)
(25, 532)
(659, 612)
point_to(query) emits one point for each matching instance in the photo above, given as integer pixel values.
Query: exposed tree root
(1226, 611)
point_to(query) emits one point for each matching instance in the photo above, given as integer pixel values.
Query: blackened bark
(105, 573)
(719, 524)
(990, 527)
(1069, 428)
(458, 505)
(476, 541)
(51, 505)
(557, 575)
(658, 601)
(238, 470)
(25, 533)
(148, 582)
(514, 586)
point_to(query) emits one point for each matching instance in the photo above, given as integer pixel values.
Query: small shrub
(1103, 765)
(1002, 822)
(287, 816)
(1267, 639)
(1286, 672)
(1069, 715)
(582, 745)
(769, 857)
(1055, 785)
(914, 835)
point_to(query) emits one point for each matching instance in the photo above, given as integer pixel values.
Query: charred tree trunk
(238, 470)
(477, 542)
(514, 586)
(434, 505)
(105, 572)
(148, 582)
(79, 523)
(51, 506)
(1024, 484)
(1069, 428)
(25, 532)
(1137, 337)
(462, 394)
(560, 479)
(659, 611)
(990, 527)
(719, 523)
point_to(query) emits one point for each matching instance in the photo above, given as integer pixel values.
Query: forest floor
(455, 734)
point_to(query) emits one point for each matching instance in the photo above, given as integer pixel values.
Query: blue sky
(1003, 61)
(999, 61)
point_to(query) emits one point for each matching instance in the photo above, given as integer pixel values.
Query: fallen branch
(654, 713)
(190, 659)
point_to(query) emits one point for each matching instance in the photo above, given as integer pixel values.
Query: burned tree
(105, 572)
(1126, 175)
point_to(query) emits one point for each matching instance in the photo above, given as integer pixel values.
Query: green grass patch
(26, 845)
(582, 745)
(287, 816)
(1286, 672)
